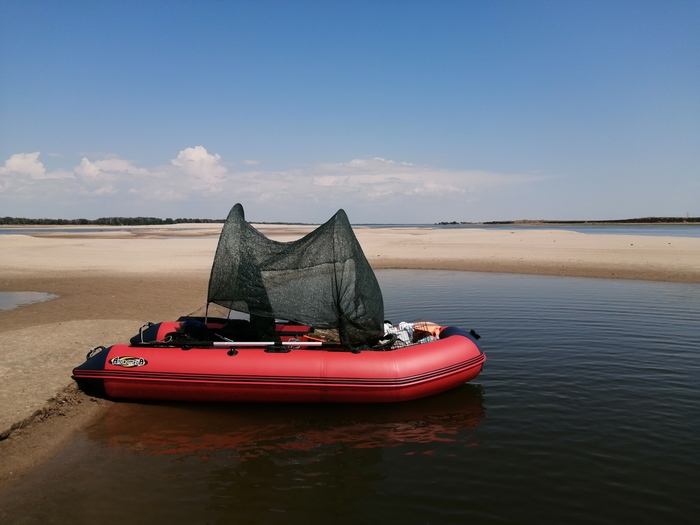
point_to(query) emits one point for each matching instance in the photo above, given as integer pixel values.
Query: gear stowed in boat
(322, 280)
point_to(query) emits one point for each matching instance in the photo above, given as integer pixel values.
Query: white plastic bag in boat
(404, 331)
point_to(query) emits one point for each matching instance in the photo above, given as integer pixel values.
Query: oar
(270, 343)
(269, 346)
(240, 344)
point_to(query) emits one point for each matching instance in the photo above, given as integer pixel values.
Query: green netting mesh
(323, 279)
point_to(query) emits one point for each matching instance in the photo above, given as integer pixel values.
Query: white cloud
(380, 178)
(87, 169)
(24, 164)
(168, 195)
(199, 164)
(60, 174)
(358, 179)
(195, 176)
(109, 168)
(106, 190)
(377, 163)
(110, 176)
(116, 165)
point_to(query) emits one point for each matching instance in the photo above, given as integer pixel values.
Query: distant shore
(110, 282)
(23, 222)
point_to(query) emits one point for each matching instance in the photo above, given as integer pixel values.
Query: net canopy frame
(322, 280)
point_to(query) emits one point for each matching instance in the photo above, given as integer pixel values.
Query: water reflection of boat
(250, 430)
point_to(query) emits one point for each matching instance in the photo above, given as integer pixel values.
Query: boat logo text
(128, 361)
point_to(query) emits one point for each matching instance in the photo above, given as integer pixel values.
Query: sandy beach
(110, 282)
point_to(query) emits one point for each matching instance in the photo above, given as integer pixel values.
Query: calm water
(32, 231)
(667, 230)
(10, 300)
(588, 411)
(670, 230)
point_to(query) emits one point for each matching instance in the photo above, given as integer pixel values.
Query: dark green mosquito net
(323, 279)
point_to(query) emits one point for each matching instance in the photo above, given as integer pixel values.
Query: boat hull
(240, 373)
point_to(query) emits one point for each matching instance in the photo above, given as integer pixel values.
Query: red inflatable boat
(336, 346)
(298, 367)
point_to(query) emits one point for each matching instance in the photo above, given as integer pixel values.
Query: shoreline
(109, 285)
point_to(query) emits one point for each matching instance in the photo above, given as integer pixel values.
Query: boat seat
(196, 330)
(257, 329)
(237, 330)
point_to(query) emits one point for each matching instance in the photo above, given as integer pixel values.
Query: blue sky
(396, 111)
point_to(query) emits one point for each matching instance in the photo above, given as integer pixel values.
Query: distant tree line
(103, 221)
(642, 220)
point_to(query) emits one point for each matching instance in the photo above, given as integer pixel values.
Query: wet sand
(109, 283)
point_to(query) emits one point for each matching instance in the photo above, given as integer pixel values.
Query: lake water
(11, 300)
(670, 230)
(667, 230)
(587, 412)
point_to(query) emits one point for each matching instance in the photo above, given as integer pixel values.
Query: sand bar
(144, 250)
(110, 282)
